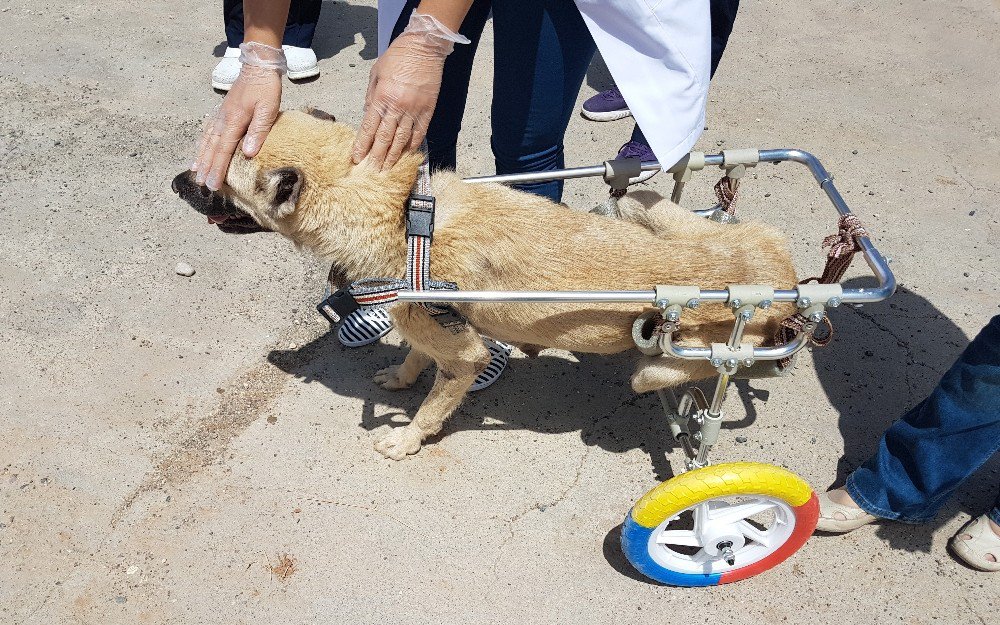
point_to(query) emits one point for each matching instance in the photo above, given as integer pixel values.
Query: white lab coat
(659, 53)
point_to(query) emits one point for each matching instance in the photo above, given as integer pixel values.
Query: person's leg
(994, 514)
(303, 15)
(232, 14)
(442, 134)
(723, 15)
(923, 457)
(541, 53)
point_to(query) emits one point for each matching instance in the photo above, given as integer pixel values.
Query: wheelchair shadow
(339, 23)
(548, 395)
(884, 359)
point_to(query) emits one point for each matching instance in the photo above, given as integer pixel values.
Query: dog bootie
(499, 354)
(364, 327)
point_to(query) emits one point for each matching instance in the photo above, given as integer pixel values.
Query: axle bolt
(726, 551)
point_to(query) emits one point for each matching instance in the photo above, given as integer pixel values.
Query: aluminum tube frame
(876, 262)
(759, 353)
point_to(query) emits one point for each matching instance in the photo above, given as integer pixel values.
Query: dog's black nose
(175, 184)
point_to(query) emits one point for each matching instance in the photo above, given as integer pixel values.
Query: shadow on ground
(884, 359)
(550, 395)
(339, 23)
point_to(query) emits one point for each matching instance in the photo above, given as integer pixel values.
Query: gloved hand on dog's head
(247, 112)
(403, 90)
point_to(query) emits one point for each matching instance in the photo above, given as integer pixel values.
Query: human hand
(247, 112)
(403, 90)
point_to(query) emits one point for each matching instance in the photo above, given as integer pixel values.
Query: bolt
(804, 302)
(693, 303)
(736, 303)
(747, 362)
(833, 302)
(726, 551)
(732, 362)
(716, 362)
(673, 315)
(746, 315)
(817, 316)
(696, 436)
(661, 303)
(765, 304)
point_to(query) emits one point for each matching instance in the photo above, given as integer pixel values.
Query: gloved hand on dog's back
(249, 109)
(403, 90)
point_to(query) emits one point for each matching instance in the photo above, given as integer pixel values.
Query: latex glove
(249, 109)
(403, 90)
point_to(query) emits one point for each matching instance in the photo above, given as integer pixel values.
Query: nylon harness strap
(374, 293)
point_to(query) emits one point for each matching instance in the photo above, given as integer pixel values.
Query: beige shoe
(982, 545)
(837, 518)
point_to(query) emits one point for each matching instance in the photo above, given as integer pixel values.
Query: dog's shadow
(548, 394)
(884, 359)
(339, 24)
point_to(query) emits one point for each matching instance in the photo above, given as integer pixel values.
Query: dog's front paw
(390, 378)
(400, 443)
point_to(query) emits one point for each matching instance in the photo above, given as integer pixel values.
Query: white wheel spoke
(681, 538)
(734, 514)
(756, 534)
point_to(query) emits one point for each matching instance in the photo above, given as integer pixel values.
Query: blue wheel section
(635, 545)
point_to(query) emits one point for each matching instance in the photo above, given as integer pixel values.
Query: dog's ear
(283, 188)
(318, 114)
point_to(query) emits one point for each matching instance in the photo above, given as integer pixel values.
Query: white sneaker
(227, 71)
(301, 62)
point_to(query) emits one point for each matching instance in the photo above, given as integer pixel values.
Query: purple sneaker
(641, 151)
(606, 106)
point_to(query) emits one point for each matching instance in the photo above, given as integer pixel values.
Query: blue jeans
(299, 30)
(723, 16)
(541, 53)
(923, 457)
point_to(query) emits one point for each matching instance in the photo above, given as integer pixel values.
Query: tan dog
(303, 185)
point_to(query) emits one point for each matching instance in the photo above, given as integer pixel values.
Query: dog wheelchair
(721, 523)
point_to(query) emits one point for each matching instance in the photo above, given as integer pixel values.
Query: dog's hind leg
(460, 357)
(402, 376)
(656, 372)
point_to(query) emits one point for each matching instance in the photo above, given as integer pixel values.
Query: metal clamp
(688, 296)
(826, 294)
(618, 171)
(757, 295)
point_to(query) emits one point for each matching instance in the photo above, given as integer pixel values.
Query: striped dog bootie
(499, 355)
(364, 327)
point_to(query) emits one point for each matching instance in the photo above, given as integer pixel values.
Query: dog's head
(260, 193)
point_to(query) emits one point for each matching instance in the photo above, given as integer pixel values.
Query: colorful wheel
(719, 524)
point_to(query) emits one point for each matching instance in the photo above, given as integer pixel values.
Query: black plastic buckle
(449, 319)
(340, 304)
(420, 216)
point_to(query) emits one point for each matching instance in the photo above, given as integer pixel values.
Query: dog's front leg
(460, 357)
(404, 375)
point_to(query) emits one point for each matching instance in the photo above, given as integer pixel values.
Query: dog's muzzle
(219, 209)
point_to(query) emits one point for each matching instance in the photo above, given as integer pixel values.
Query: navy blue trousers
(923, 457)
(299, 30)
(542, 50)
